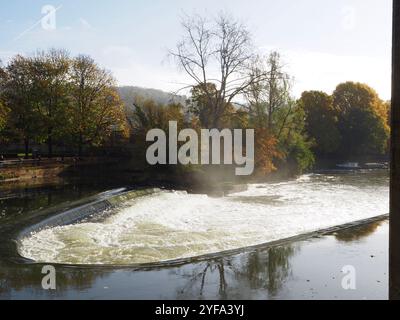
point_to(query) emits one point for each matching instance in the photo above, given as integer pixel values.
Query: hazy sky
(322, 42)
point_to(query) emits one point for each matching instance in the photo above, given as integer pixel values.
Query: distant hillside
(130, 94)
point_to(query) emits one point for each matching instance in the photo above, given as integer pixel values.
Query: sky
(322, 43)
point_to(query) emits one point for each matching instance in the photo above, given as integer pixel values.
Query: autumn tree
(201, 104)
(388, 108)
(234, 115)
(95, 109)
(148, 115)
(272, 109)
(362, 120)
(216, 55)
(321, 122)
(18, 95)
(49, 75)
(4, 111)
(266, 152)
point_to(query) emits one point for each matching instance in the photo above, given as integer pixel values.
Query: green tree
(365, 132)
(321, 121)
(271, 107)
(294, 143)
(362, 120)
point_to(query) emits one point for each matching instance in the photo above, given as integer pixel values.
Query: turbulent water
(175, 225)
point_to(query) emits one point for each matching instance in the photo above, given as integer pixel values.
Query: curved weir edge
(80, 213)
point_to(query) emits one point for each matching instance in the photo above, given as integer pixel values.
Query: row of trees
(233, 87)
(71, 102)
(58, 100)
(353, 122)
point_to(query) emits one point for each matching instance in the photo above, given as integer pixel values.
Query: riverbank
(212, 180)
(27, 174)
(33, 170)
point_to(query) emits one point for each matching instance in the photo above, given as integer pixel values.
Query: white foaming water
(175, 225)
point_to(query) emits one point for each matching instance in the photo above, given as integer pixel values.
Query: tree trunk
(26, 142)
(50, 145)
(80, 145)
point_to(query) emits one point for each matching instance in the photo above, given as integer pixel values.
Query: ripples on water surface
(175, 225)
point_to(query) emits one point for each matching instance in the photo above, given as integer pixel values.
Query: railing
(35, 162)
(14, 163)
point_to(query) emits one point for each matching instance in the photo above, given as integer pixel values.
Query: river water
(177, 225)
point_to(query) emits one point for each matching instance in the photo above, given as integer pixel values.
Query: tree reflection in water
(28, 279)
(358, 233)
(265, 270)
(258, 274)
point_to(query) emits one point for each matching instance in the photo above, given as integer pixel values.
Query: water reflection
(263, 270)
(269, 270)
(262, 274)
(20, 202)
(266, 273)
(25, 281)
(358, 233)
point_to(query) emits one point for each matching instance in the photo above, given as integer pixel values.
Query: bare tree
(217, 56)
(269, 101)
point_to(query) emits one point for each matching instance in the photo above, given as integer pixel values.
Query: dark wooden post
(394, 260)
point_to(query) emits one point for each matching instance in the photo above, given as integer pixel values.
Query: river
(176, 225)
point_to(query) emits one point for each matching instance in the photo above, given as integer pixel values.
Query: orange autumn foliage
(265, 151)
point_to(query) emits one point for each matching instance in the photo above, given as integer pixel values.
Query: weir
(83, 212)
(152, 226)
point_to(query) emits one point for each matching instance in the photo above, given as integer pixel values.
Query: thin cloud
(32, 27)
(85, 24)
